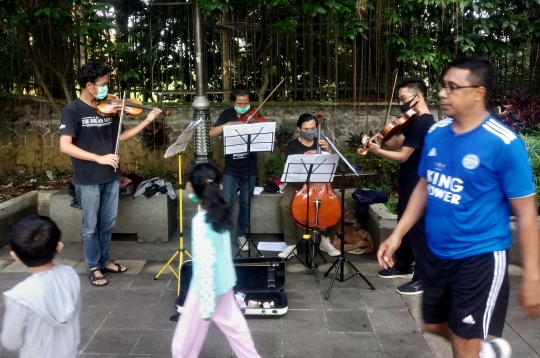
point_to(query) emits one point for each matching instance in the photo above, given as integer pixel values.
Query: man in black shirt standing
(89, 138)
(240, 169)
(407, 149)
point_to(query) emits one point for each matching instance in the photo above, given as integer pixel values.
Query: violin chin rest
(362, 151)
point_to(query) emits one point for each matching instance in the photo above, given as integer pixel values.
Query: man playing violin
(240, 169)
(306, 141)
(90, 140)
(473, 170)
(406, 150)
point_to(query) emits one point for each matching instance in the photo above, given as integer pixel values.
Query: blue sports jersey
(470, 178)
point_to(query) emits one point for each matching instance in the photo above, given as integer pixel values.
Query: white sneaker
(501, 348)
(327, 247)
(241, 241)
(285, 254)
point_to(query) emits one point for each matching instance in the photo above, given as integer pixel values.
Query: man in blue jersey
(473, 170)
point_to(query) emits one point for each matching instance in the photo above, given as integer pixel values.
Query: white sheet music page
(235, 137)
(297, 166)
(183, 140)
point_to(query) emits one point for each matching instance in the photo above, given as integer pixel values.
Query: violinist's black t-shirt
(414, 138)
(237, 164)
(93, 133)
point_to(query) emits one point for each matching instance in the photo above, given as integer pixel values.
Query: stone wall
(29, 132)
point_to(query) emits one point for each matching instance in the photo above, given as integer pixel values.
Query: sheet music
(271, 246)
(183, 140)
(262, 137)
(296, 168)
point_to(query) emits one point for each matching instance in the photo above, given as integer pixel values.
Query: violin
(112, 105)
(251, 115)
(316, 207)
(395, 126)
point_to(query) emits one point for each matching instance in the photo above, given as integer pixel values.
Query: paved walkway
(130, 316)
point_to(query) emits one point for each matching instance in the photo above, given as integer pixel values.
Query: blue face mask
(102, 92)
(242, 110)
(193, 197)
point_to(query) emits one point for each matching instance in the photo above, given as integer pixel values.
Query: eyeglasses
(403, 99)
(451, 88)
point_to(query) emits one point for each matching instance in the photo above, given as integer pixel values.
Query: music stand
(318, 168)
(339, 264)
(176, 149)
(243, 139)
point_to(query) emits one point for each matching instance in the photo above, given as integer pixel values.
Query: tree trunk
(37, 72)
(225, 58)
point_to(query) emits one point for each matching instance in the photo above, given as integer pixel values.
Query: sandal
(93, 278)
(107, 270)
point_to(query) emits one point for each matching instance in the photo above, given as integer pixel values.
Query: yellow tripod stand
(176, 149)
(181, 251)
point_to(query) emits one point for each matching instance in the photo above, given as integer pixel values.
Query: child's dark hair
(306, 117)
(205, 178)
(239, 90)
(91, 72)
(34, 239)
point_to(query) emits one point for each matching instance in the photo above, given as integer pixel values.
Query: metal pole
(201, 104)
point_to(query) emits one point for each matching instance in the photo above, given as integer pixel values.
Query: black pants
(413, 247)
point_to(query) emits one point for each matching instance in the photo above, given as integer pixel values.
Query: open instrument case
(261, 279)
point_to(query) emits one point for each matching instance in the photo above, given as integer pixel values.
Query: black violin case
(261, 279)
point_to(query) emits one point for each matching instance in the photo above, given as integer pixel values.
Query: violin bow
(266, 99)
(116, 150)
(395, 73)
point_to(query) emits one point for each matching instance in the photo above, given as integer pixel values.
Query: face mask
(193, 197)
(406, 106)
(102, 92)
(309, 134)
(242, 110)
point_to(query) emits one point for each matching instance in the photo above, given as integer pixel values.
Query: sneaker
(285, 254)
(411, 288)
(327, 247)
(501, 348)
(394, 273)
(241, 241)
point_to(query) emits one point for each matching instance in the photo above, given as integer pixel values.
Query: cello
(317, 206)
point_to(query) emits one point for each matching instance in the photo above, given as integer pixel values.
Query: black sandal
(107, 270)
(93, 278)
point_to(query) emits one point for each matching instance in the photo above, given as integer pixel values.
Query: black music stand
(318, 168)
(245, 139)
(339, 264)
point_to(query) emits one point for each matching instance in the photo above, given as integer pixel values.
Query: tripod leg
(359, 273)
(168, 264)
(339, 264)
(330, 269)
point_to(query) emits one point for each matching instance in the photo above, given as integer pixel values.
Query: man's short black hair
(306, 117)
(415, 85)
(90, 72)
(34, 239)
(239, 90)
(481, 72)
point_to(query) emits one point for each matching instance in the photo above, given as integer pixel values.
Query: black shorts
(470, 294)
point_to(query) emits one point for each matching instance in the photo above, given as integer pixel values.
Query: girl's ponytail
(205, 178)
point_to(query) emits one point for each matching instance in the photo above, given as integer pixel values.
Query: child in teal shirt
(210, 296)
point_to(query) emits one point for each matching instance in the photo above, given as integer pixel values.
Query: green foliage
(391, 205)
(532, 144)
(274, 165)
(385, 172)
(290, 12)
